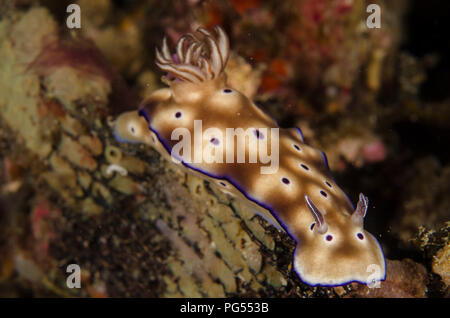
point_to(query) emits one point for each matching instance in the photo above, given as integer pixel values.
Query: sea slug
(216, 132)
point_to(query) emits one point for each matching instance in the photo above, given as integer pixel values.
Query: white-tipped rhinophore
(361, 210)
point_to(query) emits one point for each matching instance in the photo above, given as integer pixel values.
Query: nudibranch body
(218, 133)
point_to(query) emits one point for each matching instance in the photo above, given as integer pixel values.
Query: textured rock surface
(148, 229)
(404, 279)
(152, 232)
